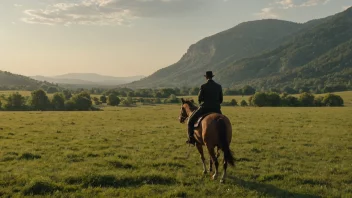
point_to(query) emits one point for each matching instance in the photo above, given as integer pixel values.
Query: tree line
(66, 101)
(272, 99)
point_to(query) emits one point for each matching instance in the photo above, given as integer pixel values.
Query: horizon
(128, 42)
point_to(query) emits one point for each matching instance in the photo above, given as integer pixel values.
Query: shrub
(244, 103)
(29, 156)
(332, 100)
(40, 187)
(306, 99)
(233, 102)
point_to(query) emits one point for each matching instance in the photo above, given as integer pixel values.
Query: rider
(210, 97)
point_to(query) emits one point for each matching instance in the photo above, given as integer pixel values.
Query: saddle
(200, 119)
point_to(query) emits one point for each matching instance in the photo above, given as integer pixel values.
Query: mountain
(19, 82)
(318, 56)
(245, 40)
(264, 53)
(88, 79)
(61, 81)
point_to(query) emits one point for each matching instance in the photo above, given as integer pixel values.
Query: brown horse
(214, 131)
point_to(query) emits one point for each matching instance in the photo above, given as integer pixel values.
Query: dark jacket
(210, 95)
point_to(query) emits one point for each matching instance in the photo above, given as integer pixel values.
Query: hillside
(245, 40)
(266, 53)
(87, 79)
(316, 57)
(19, 82)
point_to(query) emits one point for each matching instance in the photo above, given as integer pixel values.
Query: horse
(215, 131)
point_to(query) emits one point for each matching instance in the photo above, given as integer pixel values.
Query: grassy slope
(301, 152)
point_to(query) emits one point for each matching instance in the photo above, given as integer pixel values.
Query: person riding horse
(210, 98)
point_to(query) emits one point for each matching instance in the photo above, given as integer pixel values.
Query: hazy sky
(126, 37)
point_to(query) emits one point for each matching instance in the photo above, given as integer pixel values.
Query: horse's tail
(221, 125)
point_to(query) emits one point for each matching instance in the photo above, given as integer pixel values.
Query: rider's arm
(221, 96)
(201, 95)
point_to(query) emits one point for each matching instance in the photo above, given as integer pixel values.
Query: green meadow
(141, 152)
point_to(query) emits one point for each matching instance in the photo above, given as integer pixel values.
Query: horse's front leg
(200, 150)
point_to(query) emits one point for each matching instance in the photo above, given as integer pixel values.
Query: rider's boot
(191, 140)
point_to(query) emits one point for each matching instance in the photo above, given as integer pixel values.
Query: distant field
(140, 152)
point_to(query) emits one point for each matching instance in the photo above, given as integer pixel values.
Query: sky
(127, 37)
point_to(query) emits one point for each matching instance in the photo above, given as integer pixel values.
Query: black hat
(209, 74)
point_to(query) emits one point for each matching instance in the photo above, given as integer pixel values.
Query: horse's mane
(191, 104)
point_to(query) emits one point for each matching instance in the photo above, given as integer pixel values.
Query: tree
(52, 90)
(306, 99)
(259, 99)
(273, 99)
(15, 101)
(39, 100)
(113, 100)
(127, 102)
(333, 100)
(194, 91)
(289, 101)
(248, 90)
(103, 99)
(318, 101)
(82, 101)
(244, 103)
(96, 101)
(70, 105)
(67, 94)
(289, 90)
(58, 102)
(172, 99)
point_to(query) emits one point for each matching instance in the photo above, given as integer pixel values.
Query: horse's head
(187, 107)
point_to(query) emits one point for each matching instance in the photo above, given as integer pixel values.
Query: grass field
(140, 152)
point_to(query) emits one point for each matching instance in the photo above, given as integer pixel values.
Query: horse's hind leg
(211, 161)
(210, 165)
(215, 160)
(224, 174)
(200, 150)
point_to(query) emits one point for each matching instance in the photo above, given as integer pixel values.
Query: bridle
(183, 116)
